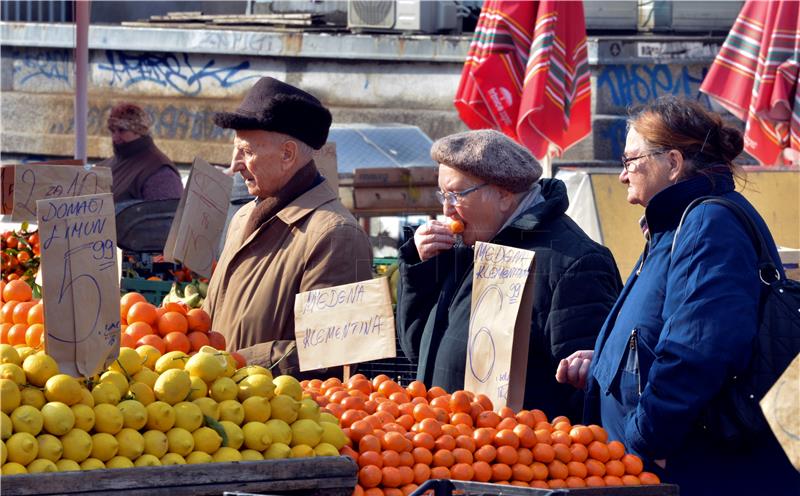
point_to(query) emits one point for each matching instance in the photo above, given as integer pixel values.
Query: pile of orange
(402, 436)
(20, 252)
(22, 315)
(170, 327)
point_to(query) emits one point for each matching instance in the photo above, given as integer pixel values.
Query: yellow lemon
(13, 372)
(225, 454)
(6, 427)
(248, 370)
(188, 416)
(9, 355)
(49, 447)
(142, 393)
(256, 385)
(134, 414)
(119, 462)
(12, 468)
(328, 417)
(284, 408)
(39, 367)
(160, 416)
(58, 418)
(22, 448)
(208, 406)
(3, 453)
(86, 398)
(131, 443)
(108, 419)
(104, 446)
(231, 368)
(199, 389)
(256, 436)
(207, 440)
(325, 449)
(305, 431)
(173, 386)
(309, 409)
(116, 378)
(332, 434)
(155, 443)
(206, 366)
(105, 393)
(256, 409)
(171, 360)
(147, 460)
(65, 465)
(302, 451)
(288, 386)
(196, 457)
(223, 389)
(277, 451)
(26, 418)
(128, 362)
(9, 395)
(180, 441)
(149, 355)
(231, 410)
(251, 455)
(173, 459)
(84, 417)
(25, 352)
(146, 376)
(77, 445)
(32, 396)
(279, 431)
(41, 465)
(92, 464)
(234, 434)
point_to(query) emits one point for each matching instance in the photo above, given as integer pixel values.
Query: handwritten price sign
(41, 182)
(80, 282)
(499, 327)
(344, 324)
(197, 227)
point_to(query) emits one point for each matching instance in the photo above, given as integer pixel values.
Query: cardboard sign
(344, 324)
(39, 182)
(80, 282)
(325, 158)
(780, 409)
(200, 218)
(7, 181)
(500, 323)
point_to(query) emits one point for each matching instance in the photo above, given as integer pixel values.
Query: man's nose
(447, 208)
(623, 176)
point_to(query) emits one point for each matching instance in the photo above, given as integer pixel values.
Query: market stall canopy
(755, 77)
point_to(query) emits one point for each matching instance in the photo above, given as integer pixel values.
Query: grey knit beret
(489, 155)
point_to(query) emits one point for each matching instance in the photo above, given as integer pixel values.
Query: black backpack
(734, 416)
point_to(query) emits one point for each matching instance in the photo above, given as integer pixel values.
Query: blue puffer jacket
(683, 324)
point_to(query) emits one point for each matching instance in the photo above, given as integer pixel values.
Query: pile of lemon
(148, 409)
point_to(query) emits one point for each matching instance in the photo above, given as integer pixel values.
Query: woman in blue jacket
(687, 316)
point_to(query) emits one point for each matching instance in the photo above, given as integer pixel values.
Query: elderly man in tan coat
(295, 236)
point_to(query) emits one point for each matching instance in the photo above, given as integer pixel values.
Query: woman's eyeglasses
(455, 198)
(626, 161)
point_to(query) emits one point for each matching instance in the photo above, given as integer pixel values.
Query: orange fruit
(521, 472)
(506, 437)
(407, 460)
(4, 328)
(526, 436)
(399, 397)
(391, 477)
(599, 451)
(127, 300)
(612, 480)
(557, 470)
(483, 436)
(394, 441)
(486, 453)
(501, 472)
(543, 453)
(177, 341)
(462, 471)
(446, 442)
(349, 416)
(543, 436)
(633, 465)
(126, 341)
(17, 290)
(142, 312)
(217, 340)
(577, 469)
(417, 389)
(573, 481)
(562, 452)
(524, 456)
(487, 419)
(359, 429)
(507, 455)
(435, 392)
(526, 417)
(462, 455)
(539, 471)
(138, 330)
(431, 426)
(373, 458)
(466, 442)
(172, 322)
(154, 341)
(579, 452)
(581, 434)
(599, 433)
(422, 472)
(16, 334)
(424, 440)
(616, 450)
(631, 480)
(34, 335)
(368, 442)
(560, 437)
(369, 476)
(374, 491)
(482, 471)
(459, 402)
(391, 458)
(485, 402)
(20, 313)
(422, 455)
(595, 481)
(406, 475)
(649, 478)
(615, 468)
(388, 387)
(443, 458)
(7, 312)
(595, 467)
(440, 473)
(198, 320)
(198, 340)
(36, 314)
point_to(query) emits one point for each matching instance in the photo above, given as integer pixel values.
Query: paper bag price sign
(40, 182)
(780, 409)
(500, 321)
(200, 218)
(80, 282)
(344, 324)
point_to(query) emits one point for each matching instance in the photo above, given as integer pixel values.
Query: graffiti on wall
(637, 84)
(42, 64)
(171, 70)
(173, 122)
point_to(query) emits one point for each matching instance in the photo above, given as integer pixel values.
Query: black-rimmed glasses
(454, 198)
(626, 161)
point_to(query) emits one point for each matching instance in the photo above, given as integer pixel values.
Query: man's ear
(289, 152)
(507, 200)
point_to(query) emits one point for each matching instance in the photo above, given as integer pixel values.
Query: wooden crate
(329, 476)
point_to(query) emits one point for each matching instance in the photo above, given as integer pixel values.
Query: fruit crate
(321, 476)
(446, 487)
(153, 291)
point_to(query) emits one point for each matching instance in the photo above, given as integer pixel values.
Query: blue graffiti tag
(636, 84)
(48, 64)
(169, 70)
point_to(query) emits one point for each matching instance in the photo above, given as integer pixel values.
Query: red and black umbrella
(755, 77)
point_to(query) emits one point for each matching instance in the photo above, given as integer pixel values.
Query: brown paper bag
(325, 158)
(780, 406)
(80, 282)
(38, 182)
(200, 218)
(344, 324)
(500, 323)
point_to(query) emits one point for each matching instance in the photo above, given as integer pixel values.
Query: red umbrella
(755, 77)
(527, 74)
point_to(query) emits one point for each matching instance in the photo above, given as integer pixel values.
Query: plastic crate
(153, 291)
(446, 487)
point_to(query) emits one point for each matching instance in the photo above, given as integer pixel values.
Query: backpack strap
(767, 270)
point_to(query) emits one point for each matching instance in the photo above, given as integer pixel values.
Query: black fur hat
(273, 105)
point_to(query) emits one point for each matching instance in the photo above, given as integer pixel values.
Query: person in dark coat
(139, 170)
(492, 185)
(686, 319)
